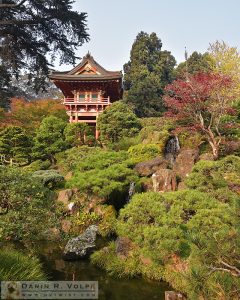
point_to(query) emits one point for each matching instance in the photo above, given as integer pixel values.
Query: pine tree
(34, 33)
(195, 63)
(15, 146)
(49, 139)
(146, 74)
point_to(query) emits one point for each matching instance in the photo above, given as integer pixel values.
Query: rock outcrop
(185, 161)
(147, 168)
(164, 180)
(81, 246)
(65, 197)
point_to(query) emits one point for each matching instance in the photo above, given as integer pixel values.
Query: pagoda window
(82, 97)
(94, 96)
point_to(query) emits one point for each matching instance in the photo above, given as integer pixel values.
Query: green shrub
(104, 216)
(125, 143)
(116, 122)
(107, 224)
(69, 159)
(156, 130)
(115, 266)
(184, 234)
(26, 206)
(103, 182)
(220, 178)
(104, 174)
(100, 160)
(143, 152)
(50, 178)
(38, 165)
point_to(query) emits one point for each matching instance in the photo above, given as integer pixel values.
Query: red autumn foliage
(202, 100)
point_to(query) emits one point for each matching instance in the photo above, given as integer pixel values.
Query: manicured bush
(220, 178)
(115, 266)
(142, 152)
(116, 122)
(38, 165)
(50, 178)
(184, 236)
(105, 174)
(69, 159)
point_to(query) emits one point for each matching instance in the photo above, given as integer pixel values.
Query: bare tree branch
(24, 22)
(223, 270)
(231, 267)
(234, 271)
(4, 6)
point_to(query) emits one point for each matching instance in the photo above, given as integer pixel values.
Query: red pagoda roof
(87, 70)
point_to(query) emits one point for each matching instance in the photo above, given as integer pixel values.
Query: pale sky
(114, 24)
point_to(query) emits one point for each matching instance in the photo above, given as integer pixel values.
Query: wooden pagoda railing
(87, 101)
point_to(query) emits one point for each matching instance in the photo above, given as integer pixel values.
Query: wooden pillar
(97, 134)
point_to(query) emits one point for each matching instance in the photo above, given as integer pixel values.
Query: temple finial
(88, 54)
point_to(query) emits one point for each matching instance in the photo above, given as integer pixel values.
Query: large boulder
(185, 161)
(147, 168)
(81, 246)
(164, 180)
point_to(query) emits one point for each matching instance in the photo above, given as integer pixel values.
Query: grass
(17, 266)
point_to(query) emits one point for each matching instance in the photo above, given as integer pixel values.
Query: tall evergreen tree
(34, 33)
(146, 74)
(195, 63)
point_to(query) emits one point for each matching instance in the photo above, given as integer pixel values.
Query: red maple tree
(203, 100)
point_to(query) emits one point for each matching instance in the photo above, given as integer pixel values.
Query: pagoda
(88, 89)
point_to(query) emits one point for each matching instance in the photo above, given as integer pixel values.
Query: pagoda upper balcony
(87, 100)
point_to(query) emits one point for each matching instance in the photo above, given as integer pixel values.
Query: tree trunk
(215, 150)
(214, 144)
(53, 160)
